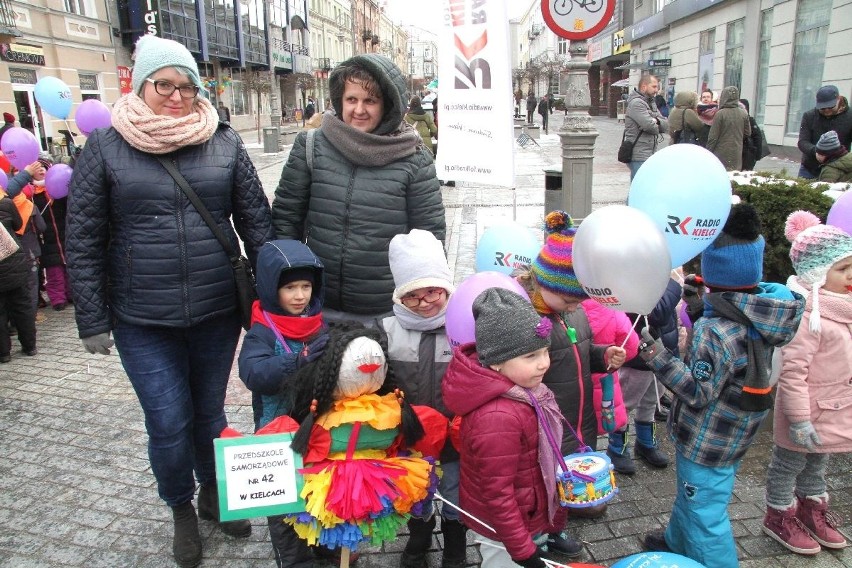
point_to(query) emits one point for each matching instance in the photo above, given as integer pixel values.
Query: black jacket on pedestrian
(53, 247)
(815, 125)
(14, 269)
(163, 265)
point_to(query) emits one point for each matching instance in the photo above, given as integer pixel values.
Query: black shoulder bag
(625, 151)
(243, 275)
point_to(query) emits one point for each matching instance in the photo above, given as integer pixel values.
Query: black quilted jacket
(137, 249)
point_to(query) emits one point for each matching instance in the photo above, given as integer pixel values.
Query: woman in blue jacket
(146, 267)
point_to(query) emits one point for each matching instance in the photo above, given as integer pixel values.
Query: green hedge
(774, 201)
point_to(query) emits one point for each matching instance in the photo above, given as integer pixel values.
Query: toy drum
(588, 481)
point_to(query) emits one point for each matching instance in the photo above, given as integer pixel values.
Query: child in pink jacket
(610, 327)
(813, 405)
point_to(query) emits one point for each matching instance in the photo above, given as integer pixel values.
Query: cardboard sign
(258, 476)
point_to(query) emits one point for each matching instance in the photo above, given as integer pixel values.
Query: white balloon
(621, 259)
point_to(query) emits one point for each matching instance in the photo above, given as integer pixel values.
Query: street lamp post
(274, 108)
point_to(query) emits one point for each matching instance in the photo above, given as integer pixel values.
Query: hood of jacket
(275, 258)
(389, 79)
(729, 98)
(468, 385)
(686, 99)
(419, 115)
(774, 311)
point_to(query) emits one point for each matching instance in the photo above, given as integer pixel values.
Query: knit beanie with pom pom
(816, 247)
(553, 268)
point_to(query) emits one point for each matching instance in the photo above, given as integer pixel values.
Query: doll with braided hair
(360, 441)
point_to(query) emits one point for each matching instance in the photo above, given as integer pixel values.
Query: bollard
(271, 142)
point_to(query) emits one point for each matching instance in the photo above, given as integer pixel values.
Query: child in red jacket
(508, 469)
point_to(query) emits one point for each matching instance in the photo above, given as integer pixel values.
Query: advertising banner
(475, 103)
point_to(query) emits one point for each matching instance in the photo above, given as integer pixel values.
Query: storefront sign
(282, 59)
(644, 28)
(619, 46)
(151, 17)
(680, 9)
(659, 63)
(21, 76)
(124, 80)
(594, 51)
(577, 19)
(22, 53)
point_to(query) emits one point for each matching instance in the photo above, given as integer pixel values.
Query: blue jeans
(448, 487)
(180, 376)
(806, 173)
(634, 167)
(699, 526)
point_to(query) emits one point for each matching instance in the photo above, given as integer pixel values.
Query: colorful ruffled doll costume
(360, 484)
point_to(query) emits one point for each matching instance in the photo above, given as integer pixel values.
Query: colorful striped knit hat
(553, 268)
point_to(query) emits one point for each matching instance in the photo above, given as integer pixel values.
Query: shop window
(759, 106)
(734, 54)
(706, 49)
(239, 94)
(808, 59)
(89, 86)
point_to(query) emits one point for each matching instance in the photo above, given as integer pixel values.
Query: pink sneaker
(820, 522)
(783, 526)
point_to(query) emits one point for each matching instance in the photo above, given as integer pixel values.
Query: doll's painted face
(839, 277)
(425, 302)
(559, 302)
(363, 367)
(526, 370)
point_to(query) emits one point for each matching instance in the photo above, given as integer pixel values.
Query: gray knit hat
(828, 143)
(154, 53)
(507, 326)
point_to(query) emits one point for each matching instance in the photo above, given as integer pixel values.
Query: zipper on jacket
(347, 205)
(181, 226)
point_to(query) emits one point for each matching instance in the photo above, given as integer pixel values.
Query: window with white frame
(562, 46)
(89, 86)
(763, 65)
(734, 53)
(808, 59)
(706, 46)
(81, 8)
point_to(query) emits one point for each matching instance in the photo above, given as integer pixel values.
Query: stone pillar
(595, 89)
(577, 134)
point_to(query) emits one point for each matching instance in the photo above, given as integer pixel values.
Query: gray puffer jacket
(348, 212)
(138, 250)
(644, 121)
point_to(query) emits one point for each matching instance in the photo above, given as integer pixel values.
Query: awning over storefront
(621, 82)
(634, 65)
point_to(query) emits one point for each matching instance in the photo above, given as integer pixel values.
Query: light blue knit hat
(154, 53)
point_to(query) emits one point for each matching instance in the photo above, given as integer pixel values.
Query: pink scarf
(157, 134)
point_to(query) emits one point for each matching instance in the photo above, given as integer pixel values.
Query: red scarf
(292, 327)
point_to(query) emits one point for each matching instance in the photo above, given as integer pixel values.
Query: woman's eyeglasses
(165, 89)
(431, 295)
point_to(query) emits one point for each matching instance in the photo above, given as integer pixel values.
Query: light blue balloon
(54, 97)
(686, 191)
(657, 560)
(505, 247)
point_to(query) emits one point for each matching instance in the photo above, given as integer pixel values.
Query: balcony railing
(8, 27)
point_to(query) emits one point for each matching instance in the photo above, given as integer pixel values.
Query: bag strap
(624, 136)
(199, 206)
(309, 149)
(552, 441)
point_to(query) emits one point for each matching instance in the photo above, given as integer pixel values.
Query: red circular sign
(577, 19)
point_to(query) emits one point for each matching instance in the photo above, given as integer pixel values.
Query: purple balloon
(840, 214)
(459, 324)
(4, 180)
(20, 147)
(92, 114)
(56, 180)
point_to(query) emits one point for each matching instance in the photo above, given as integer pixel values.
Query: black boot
(646, 445)
(208, 509)
(419, 541)
(619, 453)
(186, 546)
(455, 544)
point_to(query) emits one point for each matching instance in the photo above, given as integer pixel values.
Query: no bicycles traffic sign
(577, 19)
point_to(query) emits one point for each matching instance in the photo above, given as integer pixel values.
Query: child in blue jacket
(287, 332)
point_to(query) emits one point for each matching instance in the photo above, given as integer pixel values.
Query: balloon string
(547, 562)
(623, 343)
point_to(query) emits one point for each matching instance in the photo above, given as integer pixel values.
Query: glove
(313, 350)
(99, 343)
(693, 295)
(803, 434)
(650, 346)
(533, 561)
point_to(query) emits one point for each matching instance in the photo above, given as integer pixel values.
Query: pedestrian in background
(16, 306)
(544, 111)
(532, 103)
(224, 112)
(422, 122)
(370, 178)
(730, 129)
(835, 159)
(684, 122)
(816, 366)
(53, 260)
(145, 266)
(643, 122)
(830, 113)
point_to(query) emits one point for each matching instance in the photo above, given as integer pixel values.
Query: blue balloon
(687, 193)
(54, 97)
(505, 247)
(657, 560)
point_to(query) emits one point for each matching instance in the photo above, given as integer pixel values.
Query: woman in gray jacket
(365, 178)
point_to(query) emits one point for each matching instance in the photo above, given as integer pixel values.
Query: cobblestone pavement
(76, 488)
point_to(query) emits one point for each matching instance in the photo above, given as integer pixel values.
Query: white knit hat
(417, 260)
(362, 369)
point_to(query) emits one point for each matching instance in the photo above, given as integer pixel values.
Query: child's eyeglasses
(431, 295)
(165, 89)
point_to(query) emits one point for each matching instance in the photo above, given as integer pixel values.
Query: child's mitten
(804, 434)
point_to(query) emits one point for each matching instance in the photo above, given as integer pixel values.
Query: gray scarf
(365, 149)
(411, 321)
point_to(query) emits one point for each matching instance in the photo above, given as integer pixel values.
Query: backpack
(685, 135)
